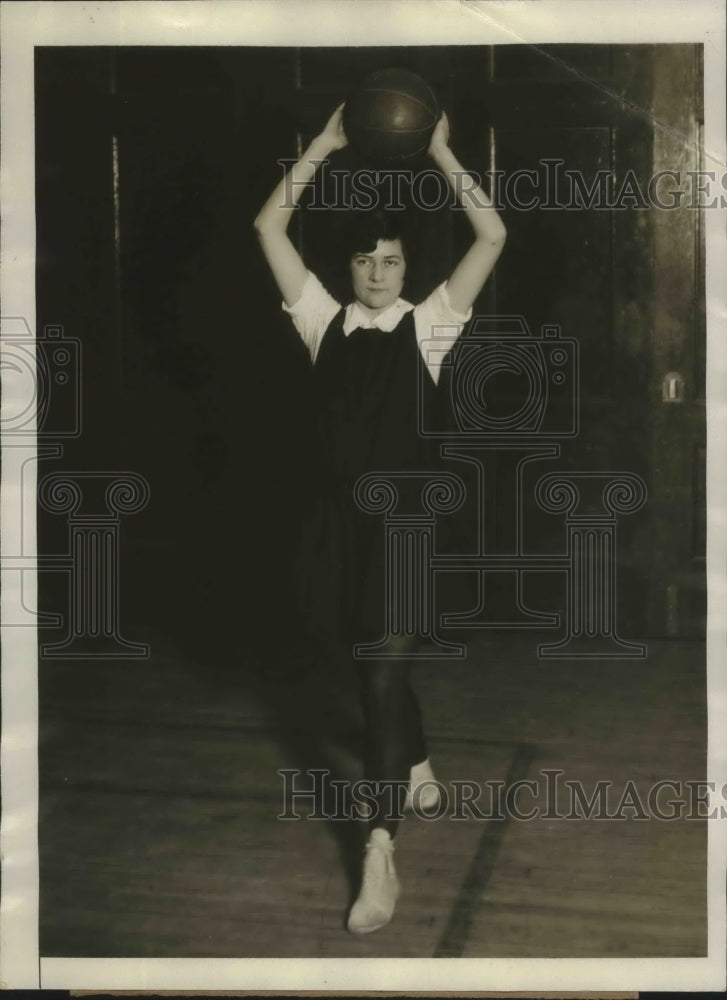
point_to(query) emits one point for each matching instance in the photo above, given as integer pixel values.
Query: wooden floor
(159, 798)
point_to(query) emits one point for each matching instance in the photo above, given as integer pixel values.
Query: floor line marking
(459, 924)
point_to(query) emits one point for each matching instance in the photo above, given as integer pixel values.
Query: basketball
(391, 115)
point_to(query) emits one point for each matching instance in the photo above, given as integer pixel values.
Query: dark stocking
(393, 736)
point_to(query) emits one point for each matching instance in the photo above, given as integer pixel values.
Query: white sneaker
(428, 797)
(379, 886)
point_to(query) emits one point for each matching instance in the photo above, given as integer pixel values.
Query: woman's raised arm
(272, 220)
(473, 270)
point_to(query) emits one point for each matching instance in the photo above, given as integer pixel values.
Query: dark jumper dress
(368, 386)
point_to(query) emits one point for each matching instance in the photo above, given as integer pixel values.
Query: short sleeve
(437, 328)
(312, 313)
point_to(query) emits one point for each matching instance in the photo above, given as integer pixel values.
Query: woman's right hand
(272, 220)
(333, 134)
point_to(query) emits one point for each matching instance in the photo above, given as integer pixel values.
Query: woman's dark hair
(362, 231)
(359, 232)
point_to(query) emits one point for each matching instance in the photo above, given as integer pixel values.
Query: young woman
(366, 359)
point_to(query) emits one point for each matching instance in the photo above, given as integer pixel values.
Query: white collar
(386, 320)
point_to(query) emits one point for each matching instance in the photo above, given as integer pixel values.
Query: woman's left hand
(440, 135)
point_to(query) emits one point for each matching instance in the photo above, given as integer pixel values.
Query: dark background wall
(151, 165)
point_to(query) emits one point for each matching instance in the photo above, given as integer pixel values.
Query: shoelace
(388, 852)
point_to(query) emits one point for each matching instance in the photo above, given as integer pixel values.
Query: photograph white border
(333, 22)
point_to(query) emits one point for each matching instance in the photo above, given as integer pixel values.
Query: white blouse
(436, 323)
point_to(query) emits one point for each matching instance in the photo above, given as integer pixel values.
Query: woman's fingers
(336, 118)
(440, 135)
(334, 130)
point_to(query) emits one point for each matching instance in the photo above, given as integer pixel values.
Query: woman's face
(378, 276)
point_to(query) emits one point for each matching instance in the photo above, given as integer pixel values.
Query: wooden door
(625, 280)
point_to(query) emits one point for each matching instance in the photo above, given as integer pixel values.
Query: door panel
(624, 281)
